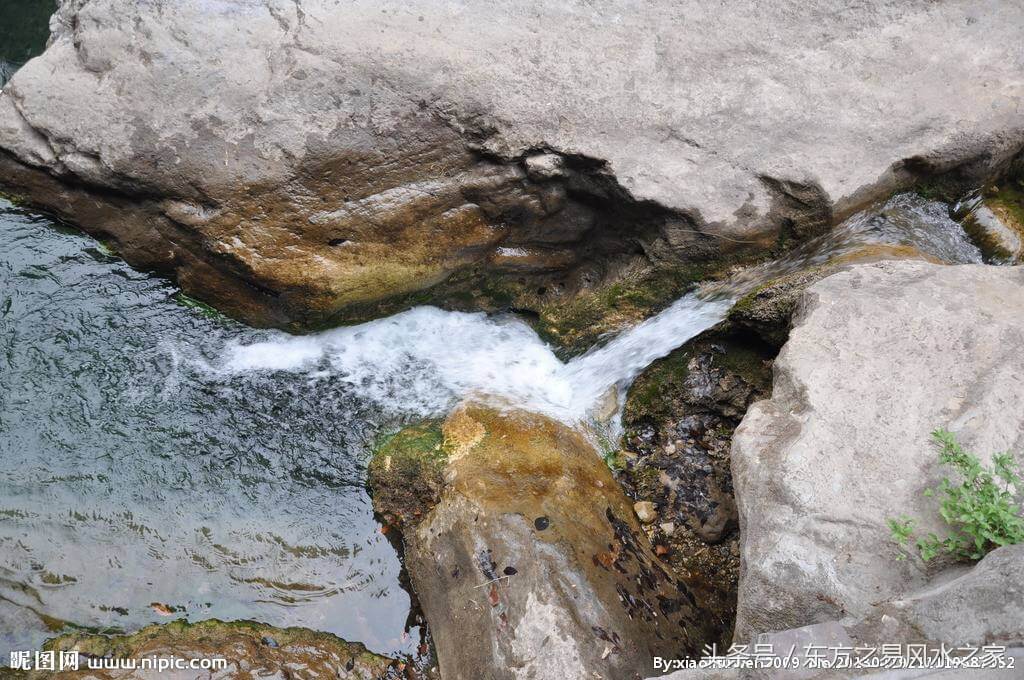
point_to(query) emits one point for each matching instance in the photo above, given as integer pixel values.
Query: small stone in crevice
(646, 511)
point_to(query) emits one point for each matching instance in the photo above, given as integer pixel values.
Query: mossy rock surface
(997, 225)
(769, 308)
(406, 472)
(13, 199)
(1007, 201)
(576, 323)
(571, 321)
(252, 650)
(655, 393)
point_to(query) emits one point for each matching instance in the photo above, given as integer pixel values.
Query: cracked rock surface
(297, 161)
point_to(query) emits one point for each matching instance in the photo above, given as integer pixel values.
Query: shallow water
(153, 452)
(125, 480)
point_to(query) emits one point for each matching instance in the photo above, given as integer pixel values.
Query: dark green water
(128, 478)
(24, 28)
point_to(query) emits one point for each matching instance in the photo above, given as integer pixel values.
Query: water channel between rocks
(154, 452)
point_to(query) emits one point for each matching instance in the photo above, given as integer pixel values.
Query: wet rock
(679, 417)
(297, 653)
(1000, 242)
(879, 356)
(769, 309)
(995, 221)
(531, 564)
(288, 163)
(405, 475)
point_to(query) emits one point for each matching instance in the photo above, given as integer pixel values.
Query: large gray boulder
(295, 161)
(879, 356)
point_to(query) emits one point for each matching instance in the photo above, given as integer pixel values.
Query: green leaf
(981, 514)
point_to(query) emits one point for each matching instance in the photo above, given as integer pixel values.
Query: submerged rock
(251, 650)
(529, 563)
(880, 355)
(297, 163)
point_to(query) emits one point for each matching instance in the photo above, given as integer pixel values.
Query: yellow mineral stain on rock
(461, 433)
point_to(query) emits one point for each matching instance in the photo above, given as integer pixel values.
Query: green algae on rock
(576, 323)
(405, 474)
(769, 308)
(252, 650)
(995, 221)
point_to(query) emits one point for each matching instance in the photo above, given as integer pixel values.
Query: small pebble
(645, 511)
(269, 642)
(541, 523)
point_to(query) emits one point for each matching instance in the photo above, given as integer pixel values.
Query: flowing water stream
(152, 452)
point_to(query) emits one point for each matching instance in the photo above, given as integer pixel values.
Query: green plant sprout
(981, 509)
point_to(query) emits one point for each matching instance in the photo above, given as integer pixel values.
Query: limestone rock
(252, 650)
(980, 607)
(296, 163)
(531, 564)
(984, 605)
(880, 355)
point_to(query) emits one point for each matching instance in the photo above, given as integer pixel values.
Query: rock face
(295, 162)
(531, 563)
(252, 650)
(879, 356)
(982, 606)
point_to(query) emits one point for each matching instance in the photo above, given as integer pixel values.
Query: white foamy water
(425, 360)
